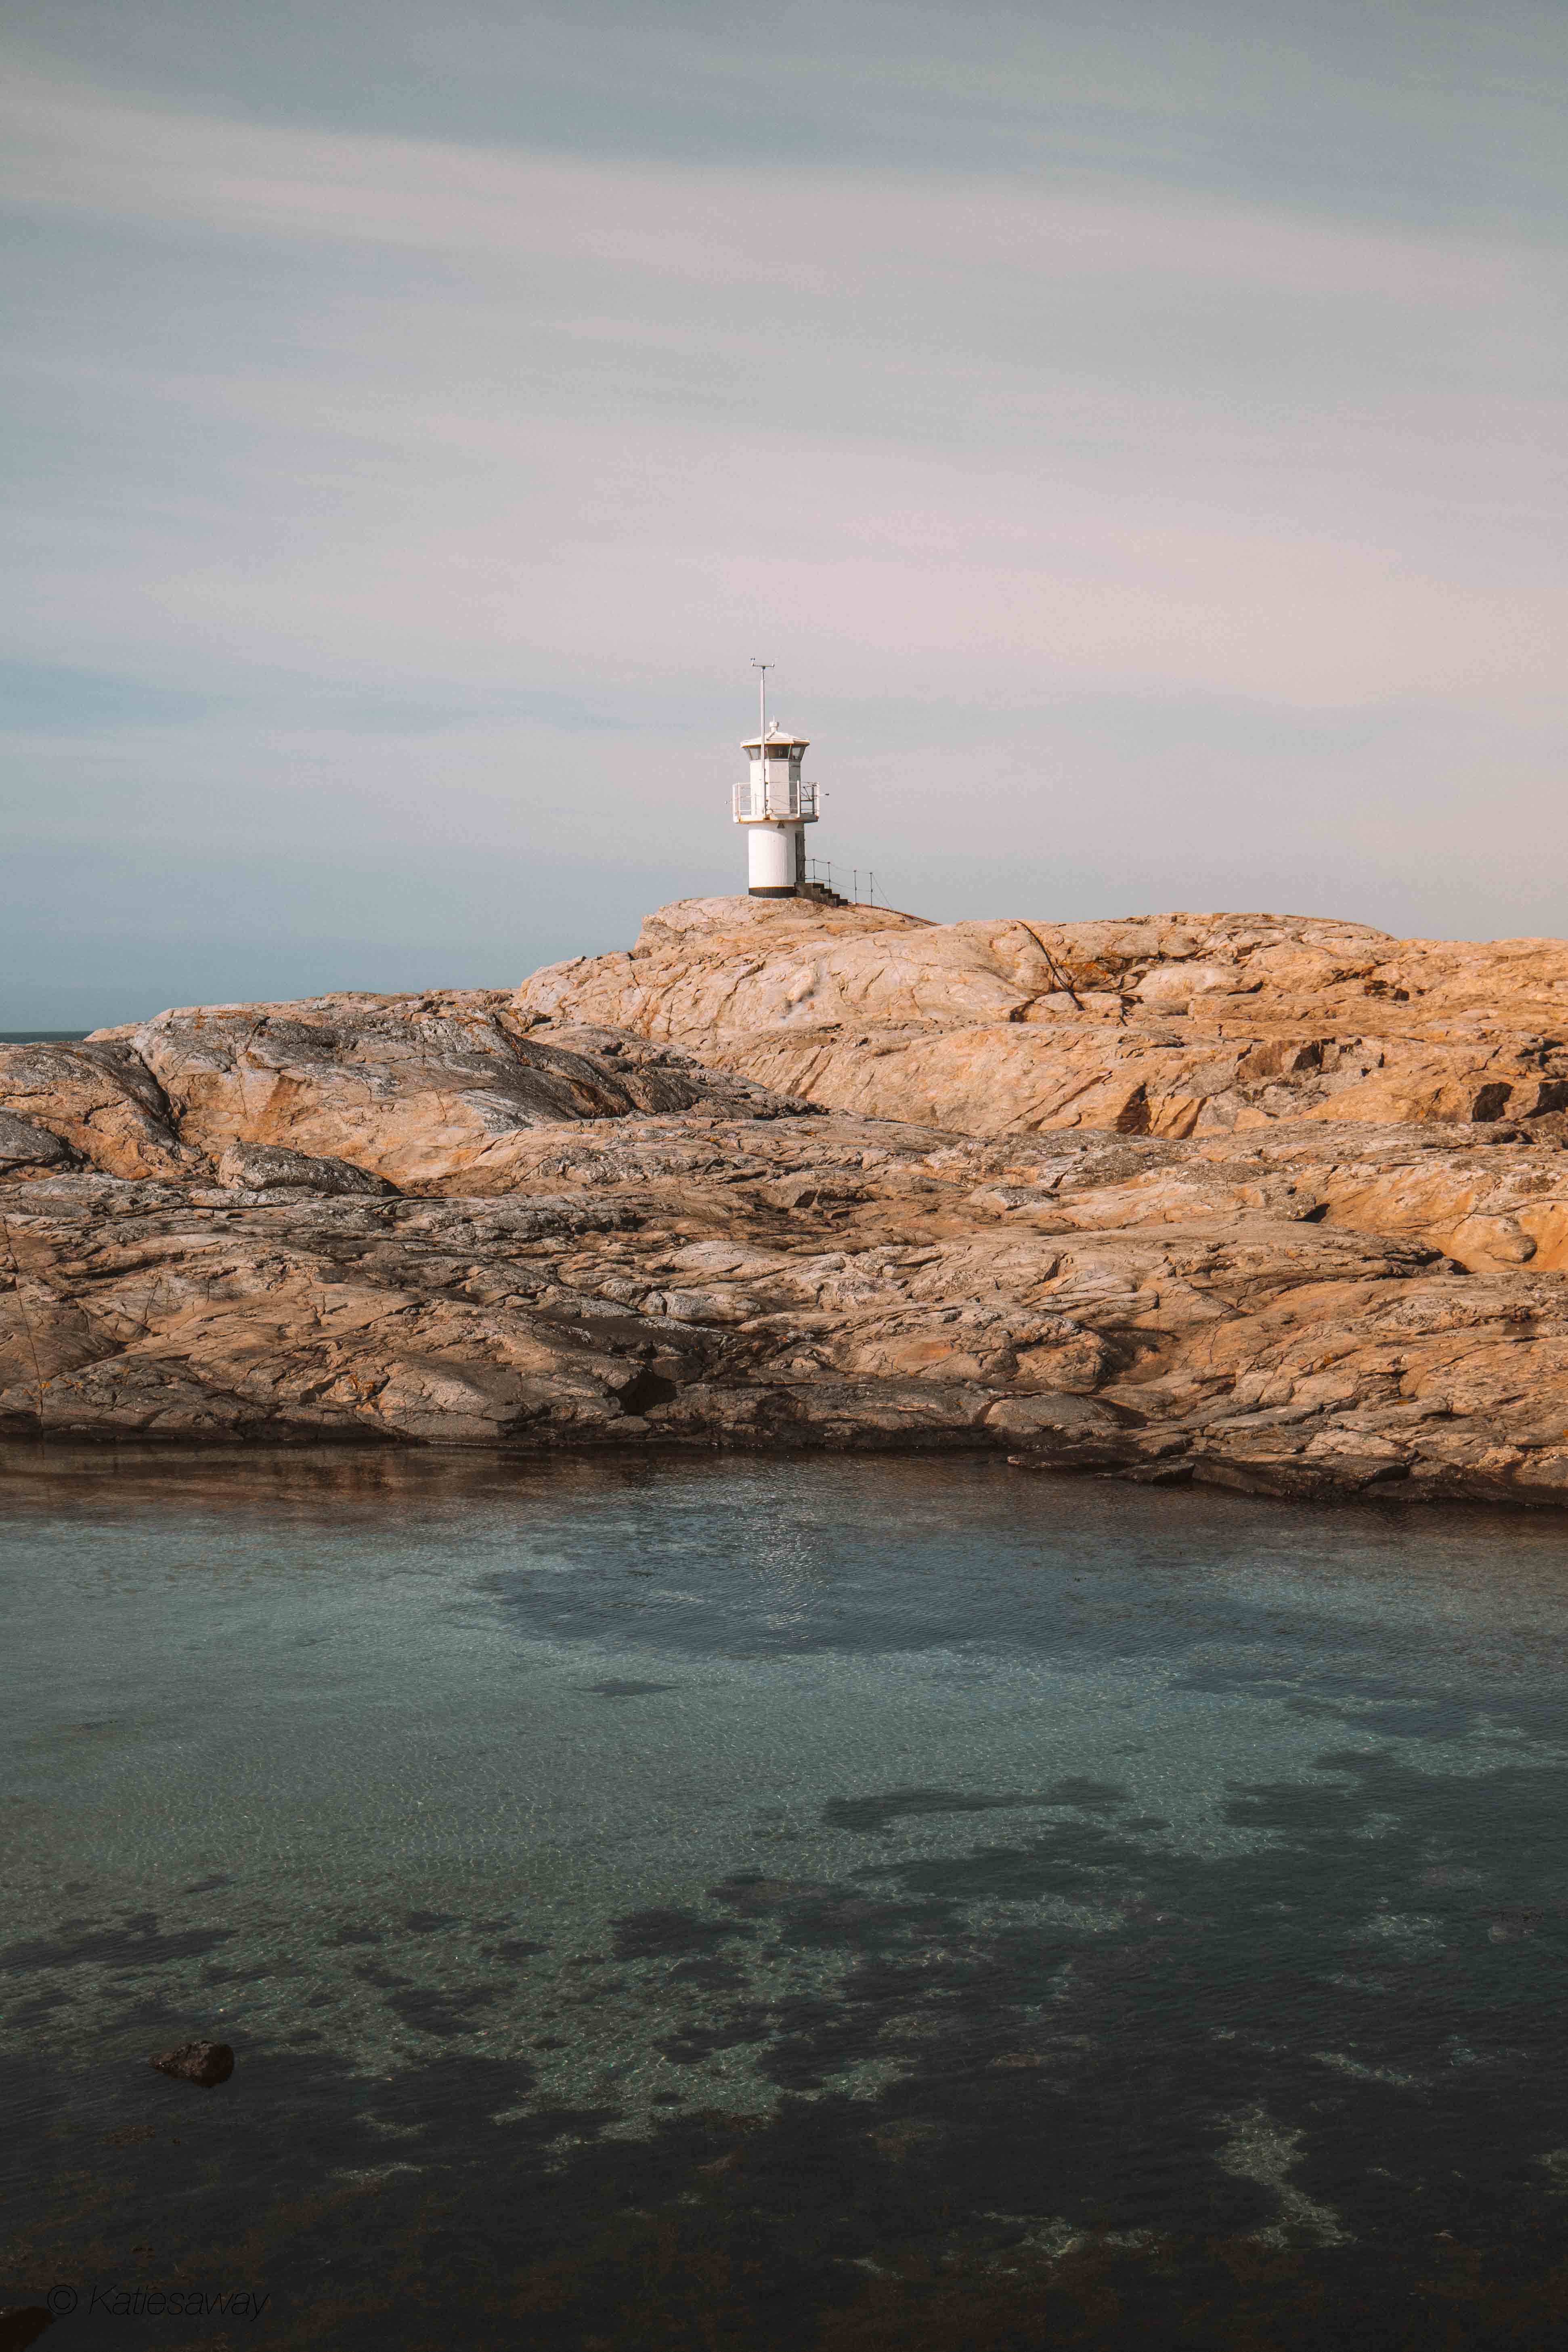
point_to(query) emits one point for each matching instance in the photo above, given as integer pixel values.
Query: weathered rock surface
(98, 1101)
(1173, 1025)
(262, 1168)
(470, 1219)
(424, 1091)
(24, 1144)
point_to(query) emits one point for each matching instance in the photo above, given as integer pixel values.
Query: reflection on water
(755, 1905)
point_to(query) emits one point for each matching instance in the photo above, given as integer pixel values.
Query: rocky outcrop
(426, 1091)
(99, 1102)
(475, 1220)
(1176, 1025)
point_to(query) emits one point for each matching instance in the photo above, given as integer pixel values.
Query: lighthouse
(774, 807)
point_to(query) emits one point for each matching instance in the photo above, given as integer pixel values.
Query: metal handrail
(820, 869)
(820, 873)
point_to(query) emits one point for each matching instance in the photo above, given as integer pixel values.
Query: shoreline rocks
(471, 1219)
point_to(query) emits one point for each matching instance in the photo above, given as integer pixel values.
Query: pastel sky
(1135, 428)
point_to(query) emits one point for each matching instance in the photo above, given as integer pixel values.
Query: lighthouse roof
(777, 741)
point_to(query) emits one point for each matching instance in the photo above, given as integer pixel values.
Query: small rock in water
(22, 2323)
(207, 2062)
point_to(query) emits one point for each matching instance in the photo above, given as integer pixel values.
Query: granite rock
(483, 1220)
(263, 1168)
(430, 1092)
(24, 1143)
(98, 1100)
(1172, 1025)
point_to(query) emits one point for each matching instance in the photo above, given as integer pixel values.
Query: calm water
(828, 1904)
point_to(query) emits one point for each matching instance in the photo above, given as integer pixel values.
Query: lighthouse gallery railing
(756, 801)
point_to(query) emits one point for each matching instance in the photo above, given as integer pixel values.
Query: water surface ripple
(773, 1904)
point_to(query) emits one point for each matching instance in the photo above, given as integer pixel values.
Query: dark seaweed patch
(659, 1935)
(136, 1941)
(441, 2011)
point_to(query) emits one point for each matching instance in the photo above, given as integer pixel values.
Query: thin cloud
(69, 147)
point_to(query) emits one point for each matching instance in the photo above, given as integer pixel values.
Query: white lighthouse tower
(774, 807)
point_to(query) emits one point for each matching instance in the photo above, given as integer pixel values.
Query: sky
(1135, 429)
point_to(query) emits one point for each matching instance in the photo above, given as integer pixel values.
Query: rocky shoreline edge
(29, 1458)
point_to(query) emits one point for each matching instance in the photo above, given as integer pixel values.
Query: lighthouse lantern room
(774, 807)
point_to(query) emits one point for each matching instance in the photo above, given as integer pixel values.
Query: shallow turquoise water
(761, 1904)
